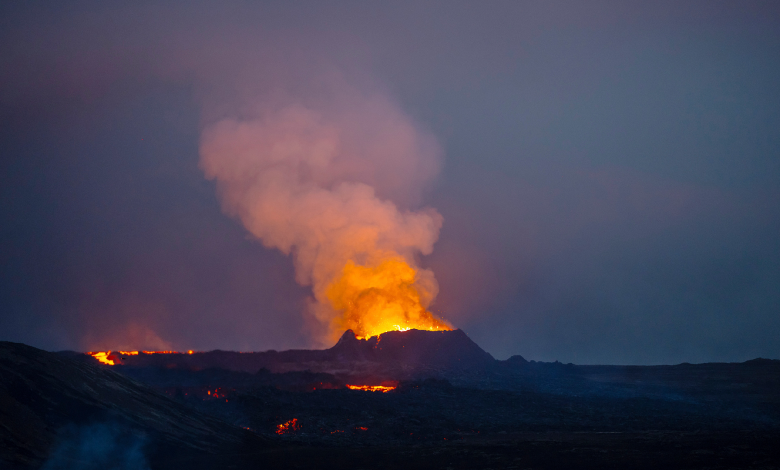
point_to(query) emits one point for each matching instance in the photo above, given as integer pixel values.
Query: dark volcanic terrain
(454, 406)
(47, 401)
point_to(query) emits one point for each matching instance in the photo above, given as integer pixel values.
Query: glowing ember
(391, 296)
(371, 388)
(217, 393)
(288, 427)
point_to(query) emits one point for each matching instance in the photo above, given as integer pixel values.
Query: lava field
(440, 402)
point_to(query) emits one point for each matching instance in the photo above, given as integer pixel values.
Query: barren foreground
(65, 410)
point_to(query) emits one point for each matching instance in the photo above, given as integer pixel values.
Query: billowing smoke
(325, 184)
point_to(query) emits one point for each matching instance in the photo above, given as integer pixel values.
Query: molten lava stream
(107, 358)
(371, 388)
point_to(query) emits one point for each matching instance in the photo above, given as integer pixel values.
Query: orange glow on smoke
(371, 388)
(387, 297)
(288, 427)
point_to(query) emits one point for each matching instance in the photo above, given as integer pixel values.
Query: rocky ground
(549, 450)
(552, 416)
(432, 424)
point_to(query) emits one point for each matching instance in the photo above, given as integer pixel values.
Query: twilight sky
(608, 173)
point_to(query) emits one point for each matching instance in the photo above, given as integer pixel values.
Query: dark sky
(610, 184)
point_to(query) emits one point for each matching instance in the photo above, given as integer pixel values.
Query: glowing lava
(371, 388)
(107, 358)
(390, 296)
(102, 356)
(288, 427)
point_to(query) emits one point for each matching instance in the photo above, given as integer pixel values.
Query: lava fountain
(373, 300)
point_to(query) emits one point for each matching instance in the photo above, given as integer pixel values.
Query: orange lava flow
(107, 358)
(288, 427)
(102, 356)
(371, 388)
(391, 296)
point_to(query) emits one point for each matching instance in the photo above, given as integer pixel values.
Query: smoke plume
(326, 184)
(100, 446)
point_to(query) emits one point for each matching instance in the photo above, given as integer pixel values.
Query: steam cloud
(100, 446)
(326, 185)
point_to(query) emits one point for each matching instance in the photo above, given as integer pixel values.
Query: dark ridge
(517, 360)
(42, 393)
(452, 349)
(400, 354)
(761, 360)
